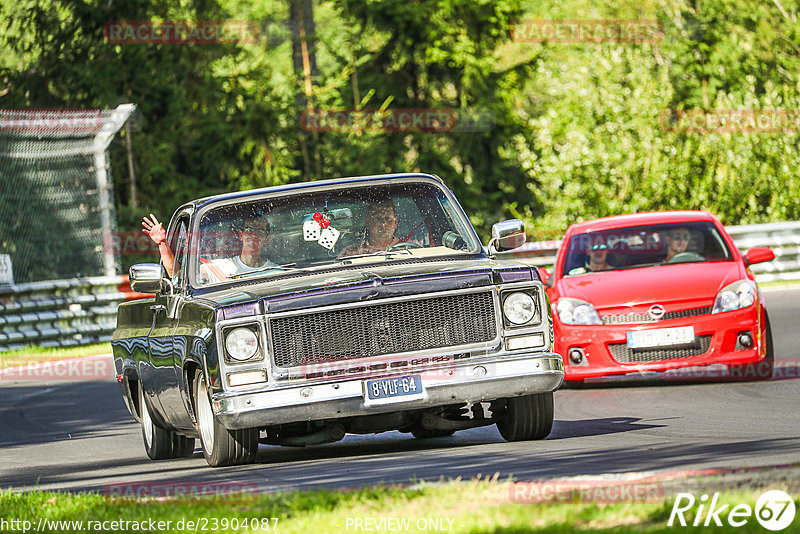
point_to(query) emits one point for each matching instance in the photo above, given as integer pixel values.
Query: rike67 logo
(774, 511)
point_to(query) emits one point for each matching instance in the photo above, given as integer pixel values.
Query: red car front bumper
(605, 351)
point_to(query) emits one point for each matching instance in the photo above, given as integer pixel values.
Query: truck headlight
(519, 308)
(735, 296)
(574, 311)
(241, 344)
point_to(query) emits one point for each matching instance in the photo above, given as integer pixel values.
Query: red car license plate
(661, 337)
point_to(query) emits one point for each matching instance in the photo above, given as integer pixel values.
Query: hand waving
(154, 229)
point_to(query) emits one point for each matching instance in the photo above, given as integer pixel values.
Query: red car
(658, 292)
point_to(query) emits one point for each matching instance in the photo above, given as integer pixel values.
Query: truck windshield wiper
(285, 267)
(385, 253)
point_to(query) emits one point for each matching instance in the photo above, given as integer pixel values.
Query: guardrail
(81, 311)
(783, 238)
(61, 313)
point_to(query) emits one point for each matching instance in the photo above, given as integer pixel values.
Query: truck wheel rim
(147, 422)
(205, 418)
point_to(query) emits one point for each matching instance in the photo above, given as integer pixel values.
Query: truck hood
(330, 287)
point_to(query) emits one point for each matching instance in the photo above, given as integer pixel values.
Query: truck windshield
(308, 230)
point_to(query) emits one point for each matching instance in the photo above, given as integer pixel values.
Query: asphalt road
(79, 436)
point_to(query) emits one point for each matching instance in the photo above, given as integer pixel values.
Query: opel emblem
(656, 312)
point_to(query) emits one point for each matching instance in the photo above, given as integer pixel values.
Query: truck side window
(179, 244)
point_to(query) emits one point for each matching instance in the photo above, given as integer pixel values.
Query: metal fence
(56, 195)
(783, 238)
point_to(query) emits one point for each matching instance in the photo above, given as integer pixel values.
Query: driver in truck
(380, 223)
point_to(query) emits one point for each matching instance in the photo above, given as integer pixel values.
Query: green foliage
(577, 129)
(598, 142)
(207, 117)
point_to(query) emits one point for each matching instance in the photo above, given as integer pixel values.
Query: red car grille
(645, 318)
(624, 354)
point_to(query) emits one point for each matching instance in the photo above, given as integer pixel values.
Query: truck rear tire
(160, 443)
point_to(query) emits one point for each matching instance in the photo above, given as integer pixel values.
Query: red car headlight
(574, 311)
(735, 296)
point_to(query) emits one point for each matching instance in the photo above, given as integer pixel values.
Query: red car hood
(674, 286)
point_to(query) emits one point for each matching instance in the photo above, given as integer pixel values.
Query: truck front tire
(221, 446)
(528, 417)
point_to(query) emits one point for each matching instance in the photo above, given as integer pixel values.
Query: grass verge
(477, 506)
(31, 355)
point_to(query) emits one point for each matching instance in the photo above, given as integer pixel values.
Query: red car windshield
(644, 246)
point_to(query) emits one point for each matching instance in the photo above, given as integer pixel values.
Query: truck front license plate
(397, 389)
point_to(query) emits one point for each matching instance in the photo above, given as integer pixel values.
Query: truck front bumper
(472, 381)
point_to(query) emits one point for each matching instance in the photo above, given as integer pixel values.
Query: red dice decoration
(323, 221)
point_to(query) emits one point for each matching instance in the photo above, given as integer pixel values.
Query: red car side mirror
(546, 276)
(758, 255)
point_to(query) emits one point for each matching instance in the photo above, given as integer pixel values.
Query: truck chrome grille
(380, 329)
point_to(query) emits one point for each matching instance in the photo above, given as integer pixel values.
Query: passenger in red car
(596, 260)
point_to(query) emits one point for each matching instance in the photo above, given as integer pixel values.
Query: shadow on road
(597, 427)
(364, 465)
(81, 437)
(57, 412)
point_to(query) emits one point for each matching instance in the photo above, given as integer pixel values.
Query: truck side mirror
(148, 278)
(507, 235)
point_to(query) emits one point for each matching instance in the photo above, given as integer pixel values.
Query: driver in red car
(677, 242)
(381, 223)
